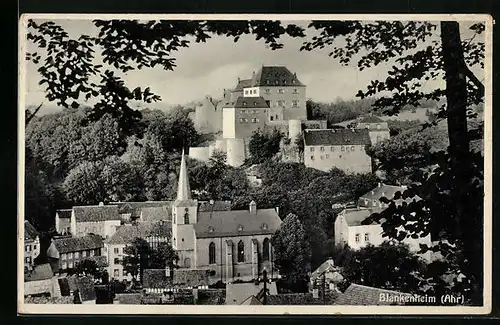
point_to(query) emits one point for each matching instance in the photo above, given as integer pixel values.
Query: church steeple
(183, 190)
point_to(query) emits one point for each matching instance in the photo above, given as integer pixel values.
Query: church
(230, 245)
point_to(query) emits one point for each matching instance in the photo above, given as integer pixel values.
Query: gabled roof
(252, 300)
(275, 76)
(64, 213)
(151, 214)
(354, 217)
(40, 272)
(228, 223)
(383, 190)
(370, 119)
(236, 293)
(247, 102)
(126, 234)
(357, 294)
(30, 232)
(96, 213)
(336, 137)
(135, 208)
(76, 244)
(326, 266)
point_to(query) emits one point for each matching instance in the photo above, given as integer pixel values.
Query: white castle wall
(200, 153)
(235, 152)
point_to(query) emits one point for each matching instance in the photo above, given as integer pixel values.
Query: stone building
(344, 149)
(65, 252)
(229, 244)
(31, 245)
(377, 128)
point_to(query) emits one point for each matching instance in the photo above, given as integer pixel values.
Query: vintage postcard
(255, 164)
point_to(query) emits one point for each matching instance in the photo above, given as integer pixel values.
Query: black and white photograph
(268, 164)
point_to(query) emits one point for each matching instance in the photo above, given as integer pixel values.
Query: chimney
(253, 207)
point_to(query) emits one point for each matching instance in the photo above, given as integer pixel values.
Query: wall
(199, 153)
(341, 231)
(288, 112)
(378, 136)
(374, 232)
(244, 269)
(62, 224)
(31, 251)
(228, 123)
(111, 255)
(43, 286)
(69, 260)
(208, 119)
(248, 120)
(236, 152)
(342, 157)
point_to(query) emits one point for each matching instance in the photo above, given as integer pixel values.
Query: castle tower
(184, 217)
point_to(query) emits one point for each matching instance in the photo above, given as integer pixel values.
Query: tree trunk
(456, 89)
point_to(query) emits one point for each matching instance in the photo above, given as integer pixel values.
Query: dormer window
(267, 82)
(244, 103)
(211, 229)
(264, 226)
(240, 228)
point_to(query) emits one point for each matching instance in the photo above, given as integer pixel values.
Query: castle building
(344, 149)
(230, 245)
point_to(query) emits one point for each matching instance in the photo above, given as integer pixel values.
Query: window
(124, 274)
(284, 82)
(281, 91)
(374, 203)
(85, 253)
(353, 148)
(186, 218)
(327, 156)
(241, 252)
(210, 229)
(63, 257)
(243, 111)
(312, 157)
(70, 255)
(25, 248)
(368, 126)
(242, 120)
(367, 238)
(276, 81)
(268, 90)
(244, 104)
(240, 228)
(116, 273)
(295, 103)
(332, 148)
(321, 157)
(271, 118)
(77, 255)
(211, 253)
(264, 226)
(311, 149)
(91, 252)
(29, 248)
(255, 91)
(34, 247)
(342, 148)
(255, 120)
(276, 116)
(70, 264)
(116, 250)
(27, 260)
(357, 238)
(187, 262)
(321, 148)
(378, 126)
(281, 103)
(255, 111)
(295, 91)
(267, 82)
(64, 266)
(116, 261)
(265, 250)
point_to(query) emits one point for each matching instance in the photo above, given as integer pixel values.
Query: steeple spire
(183, 190)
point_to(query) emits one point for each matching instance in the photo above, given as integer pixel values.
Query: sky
(208, 68)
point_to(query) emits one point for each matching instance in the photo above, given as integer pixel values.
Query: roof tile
(96, 213)
(336, 137)
(76, 244)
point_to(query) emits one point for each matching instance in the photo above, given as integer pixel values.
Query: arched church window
(211, 253)
(186, 218)
(265, 250)
(241, 252)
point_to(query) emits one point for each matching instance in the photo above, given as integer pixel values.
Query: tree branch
(29, 118)
(473, 78)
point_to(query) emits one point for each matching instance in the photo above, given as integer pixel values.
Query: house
(243, 117)
(231, 244)
(65, 251)
(237, 293)
(326, 277)
(344, 149)
(99, 219)
(63, 221)
(161, 280)
(357, 294)
(351, 228)
(144, 211)
(280, 88)
(377, 128)
(153, 232)
(40, 281)
(31, 245)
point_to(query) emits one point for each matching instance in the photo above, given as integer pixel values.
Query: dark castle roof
(336, 137)
(275, 76)
(248, 102)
